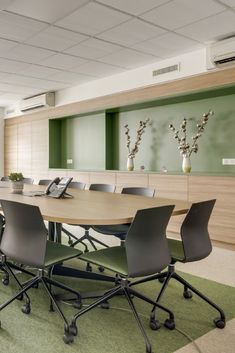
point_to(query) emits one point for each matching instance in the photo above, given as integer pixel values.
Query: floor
(219, 267)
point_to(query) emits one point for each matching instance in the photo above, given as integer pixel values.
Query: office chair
(87, 236)
(79, 186)
(121, 230)
(195, 245)
(5, 178)
(145, 253)
(25, 241)
(44, 181)
(28, 181)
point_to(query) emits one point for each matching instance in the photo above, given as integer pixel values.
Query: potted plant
(17, 182)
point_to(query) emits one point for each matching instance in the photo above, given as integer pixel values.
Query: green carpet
(112, 330)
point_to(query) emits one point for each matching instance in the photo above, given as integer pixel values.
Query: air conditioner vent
(166, 69)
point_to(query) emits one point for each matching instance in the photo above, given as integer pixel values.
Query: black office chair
(5, 178)
(195, 245)
(121, 230)
(87, 236)
(79, 186)
(28, 181)
(25, 241)
(145, 253)
(44, 181)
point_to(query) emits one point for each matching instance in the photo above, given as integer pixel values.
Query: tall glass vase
(186, 164)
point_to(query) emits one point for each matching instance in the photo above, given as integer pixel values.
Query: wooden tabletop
(90, 207)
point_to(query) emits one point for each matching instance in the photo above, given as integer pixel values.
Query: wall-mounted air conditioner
(221, 53)
(40, 101)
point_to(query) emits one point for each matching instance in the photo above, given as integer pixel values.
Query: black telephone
(57, 188)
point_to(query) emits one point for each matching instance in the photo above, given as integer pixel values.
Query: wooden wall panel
(103, 178)
(222, 223)
(131, 179)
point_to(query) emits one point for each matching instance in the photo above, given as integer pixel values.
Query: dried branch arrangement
(140, 131)
(181, 135)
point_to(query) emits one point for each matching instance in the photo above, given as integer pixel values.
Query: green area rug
(113, 330)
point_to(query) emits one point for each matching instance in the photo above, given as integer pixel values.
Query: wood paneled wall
(26, 150)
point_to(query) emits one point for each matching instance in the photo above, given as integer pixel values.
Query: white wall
(1, 142)
(190, 64)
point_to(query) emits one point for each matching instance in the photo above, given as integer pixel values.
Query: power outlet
(228, 161)
(69, 161)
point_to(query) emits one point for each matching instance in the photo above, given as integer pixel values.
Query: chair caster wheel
(73, 330)
(187, 294)
(149, 350)
(170, 324)
(77, 304)
(68, 338)
(20, 297)
(154, 324)
(70, 242)
(104, 305)
(101, 268)
(88, 268)
(220, 323)
(5, 281)
(161, 280)
(35, 285)
(26, 309)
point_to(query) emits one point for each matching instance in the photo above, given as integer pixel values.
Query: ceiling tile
(27, 53)
(178, 13)
(6, 45)
(128, 59)
(92, 19)
(18, 28)
(5, 3)
(212, 28)
(134, 7)
(37, 71)
(131, 32)
(13, 88)
(93, 49)
(12, 66)
(45, 10)
(3, 75)
(230, 3)
(167, 45)
(98, 69)
(32, 82)
(55, 38)
(62, 61)
(71, 77)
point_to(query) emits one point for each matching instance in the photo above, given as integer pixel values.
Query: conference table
(87, 207)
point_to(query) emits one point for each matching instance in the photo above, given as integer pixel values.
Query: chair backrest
(146, 244)
(28, 181)
(44, 181)
(2, 223)
(142, 191)
(77, 185)
(102, 187)
(194, 231)
(25, 235)
(5, 178)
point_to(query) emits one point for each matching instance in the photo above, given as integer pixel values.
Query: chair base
(188, 288)
(47, 283)
(124, 287)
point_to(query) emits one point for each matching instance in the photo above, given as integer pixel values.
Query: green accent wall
(98, 141)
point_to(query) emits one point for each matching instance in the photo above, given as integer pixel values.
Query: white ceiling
(53, 44)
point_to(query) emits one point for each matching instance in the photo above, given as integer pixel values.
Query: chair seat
(56, 253)
(176, 249)
(117, 230)
(113, 259)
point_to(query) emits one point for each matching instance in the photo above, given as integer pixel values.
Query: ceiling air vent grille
(166, 70)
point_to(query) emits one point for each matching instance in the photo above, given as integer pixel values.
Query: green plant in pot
(17, 182)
